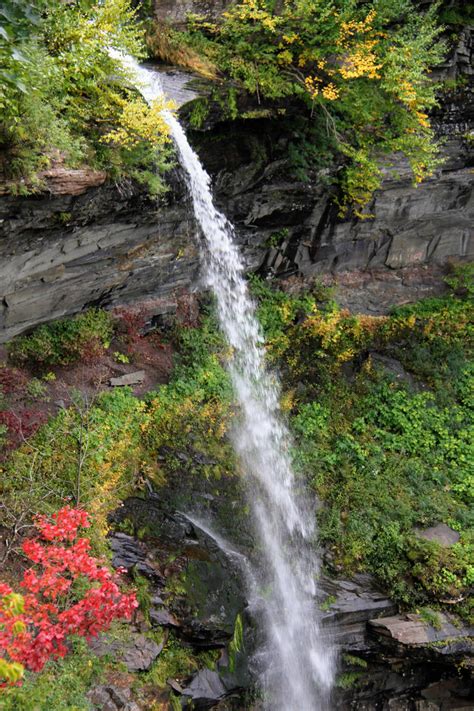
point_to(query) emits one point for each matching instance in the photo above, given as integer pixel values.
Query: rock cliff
(84, 242)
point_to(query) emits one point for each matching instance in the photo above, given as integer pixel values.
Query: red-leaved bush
(20, 425)
(67, 592)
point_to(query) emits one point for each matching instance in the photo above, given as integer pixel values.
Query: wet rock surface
(447, 637)
(352, 604)
(387, 660)
(196, 589)
(196, 592)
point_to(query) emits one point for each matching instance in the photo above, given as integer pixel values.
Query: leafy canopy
(63, 98)
(359, 69)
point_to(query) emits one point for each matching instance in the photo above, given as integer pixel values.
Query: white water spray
(296, 663)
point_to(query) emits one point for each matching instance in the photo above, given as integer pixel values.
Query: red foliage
(132, 323)
(90, 350)
(12, 381)
(187, 310)
(21, 424)
(53, 609)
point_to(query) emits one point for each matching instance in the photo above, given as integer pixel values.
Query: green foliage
(199, 113)
(90, 453)
(64, 342)
(193, 412)
(387, 450)
(99, 449)
(276, 238)
(348, 680)
(36, 389)
(360, 71)
(175, 662)
(326, 604)
(353, 661)
(61, 686)
(380, 408)
(142, 589)
(67, 95)
(18, 21)
(431, 617)
(461, 279)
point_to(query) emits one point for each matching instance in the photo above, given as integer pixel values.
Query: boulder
(135, 378)
(441, 534)
(410, 632)
(112, 698)
(137, 653)
(205, 688)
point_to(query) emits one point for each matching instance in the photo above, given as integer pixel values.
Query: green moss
(326, 604)
(431, 617)
(348, 680)
(351, 660)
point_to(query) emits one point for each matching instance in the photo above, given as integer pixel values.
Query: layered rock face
(84, 242)
(60, 253)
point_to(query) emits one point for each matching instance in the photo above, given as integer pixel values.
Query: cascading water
(296, 663)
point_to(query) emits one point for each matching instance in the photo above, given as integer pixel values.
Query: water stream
(296, 663)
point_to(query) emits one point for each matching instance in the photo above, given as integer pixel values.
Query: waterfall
(296, 662)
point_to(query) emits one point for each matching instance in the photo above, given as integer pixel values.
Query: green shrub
(68, 101)
(385, 452)
(61, 686)
(64, 342)
(358, 70)
(90, 453)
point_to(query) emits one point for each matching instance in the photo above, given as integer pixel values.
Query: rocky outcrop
(445, 636)
(404, 226)
(175, 12)
(387, 661)
(84, 242)
(59, 180)
(60, 253)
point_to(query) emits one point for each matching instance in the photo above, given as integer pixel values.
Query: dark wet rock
(206, 687)
(209, 592)
(213, 596)
(112, 698)
(352, 603)
(137, 653)
(441, 534)
(131, 554)
(393, 368)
